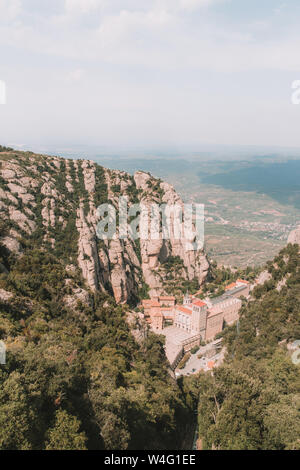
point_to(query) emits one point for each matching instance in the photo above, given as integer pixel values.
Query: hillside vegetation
(253, 400)
(75, 377)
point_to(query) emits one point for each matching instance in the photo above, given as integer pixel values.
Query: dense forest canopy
(77, 378)
(253, 400)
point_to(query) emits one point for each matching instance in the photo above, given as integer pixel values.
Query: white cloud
(83, 6)
(114, 29)
(151, 67)
(9, 10)
(194, 4)
(280, 9)
(155, 38)
(186, 5)
(75, 75)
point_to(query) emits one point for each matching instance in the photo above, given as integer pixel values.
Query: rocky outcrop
(78, 295)
(57, 200)
(88, 259)
(263, 277)
(138, 326)
(294, 236)
(11, 243)
(155, 252)
(5, 295)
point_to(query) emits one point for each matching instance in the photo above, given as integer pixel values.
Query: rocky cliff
(294, 237)
(53, 203)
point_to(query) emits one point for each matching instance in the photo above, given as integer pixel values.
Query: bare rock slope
(294, 237)
(53, 202)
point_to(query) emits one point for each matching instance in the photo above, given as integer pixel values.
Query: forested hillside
(75, 377)
(253, 400)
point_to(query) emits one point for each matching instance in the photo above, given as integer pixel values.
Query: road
(196, 364)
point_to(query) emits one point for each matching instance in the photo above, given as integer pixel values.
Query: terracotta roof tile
(231, 286)
(184, 310)
(147, 302)
(199, 303)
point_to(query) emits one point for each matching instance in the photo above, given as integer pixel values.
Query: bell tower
(199, 318)
(187, 299)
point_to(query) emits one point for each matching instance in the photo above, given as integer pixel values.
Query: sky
(148, 73)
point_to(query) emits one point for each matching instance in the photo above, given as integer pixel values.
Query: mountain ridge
(54, 201)
(74, 376)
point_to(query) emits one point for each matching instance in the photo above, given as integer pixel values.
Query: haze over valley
(251, 204)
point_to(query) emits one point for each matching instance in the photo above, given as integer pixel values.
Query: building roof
(147, 302)
(157, 314)
(220, 298)
(236, 289)
(215, 311)
(155, 304)
(230, 286)
(184, 310)
(199, 303)
(150, 303)
(167, 297)
(211, 364)
(234, 285)
(227, 296)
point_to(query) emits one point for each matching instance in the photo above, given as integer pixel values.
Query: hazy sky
(149, 72)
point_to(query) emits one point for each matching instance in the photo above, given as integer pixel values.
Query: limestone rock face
(294, 236)
(88, 259)
(78, 295)
(5, 295)
(56, 200)
(155, 252)
(263, 277)
(11, 244)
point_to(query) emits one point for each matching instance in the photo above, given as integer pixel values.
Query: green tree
(65, 433)
(16, 415)
(282, 423)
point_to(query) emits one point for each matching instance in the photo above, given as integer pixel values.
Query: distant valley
(251, 206)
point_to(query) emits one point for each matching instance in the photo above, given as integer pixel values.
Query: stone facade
(167, 301)
(202, 319)
(214, 325)
(159, 307)
(157, 320)
(230, 307)
(195, 317)
(191, 316)
(183, 318)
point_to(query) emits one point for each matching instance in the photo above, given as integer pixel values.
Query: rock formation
(54, 201)
(155, 252)
(294, 236)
